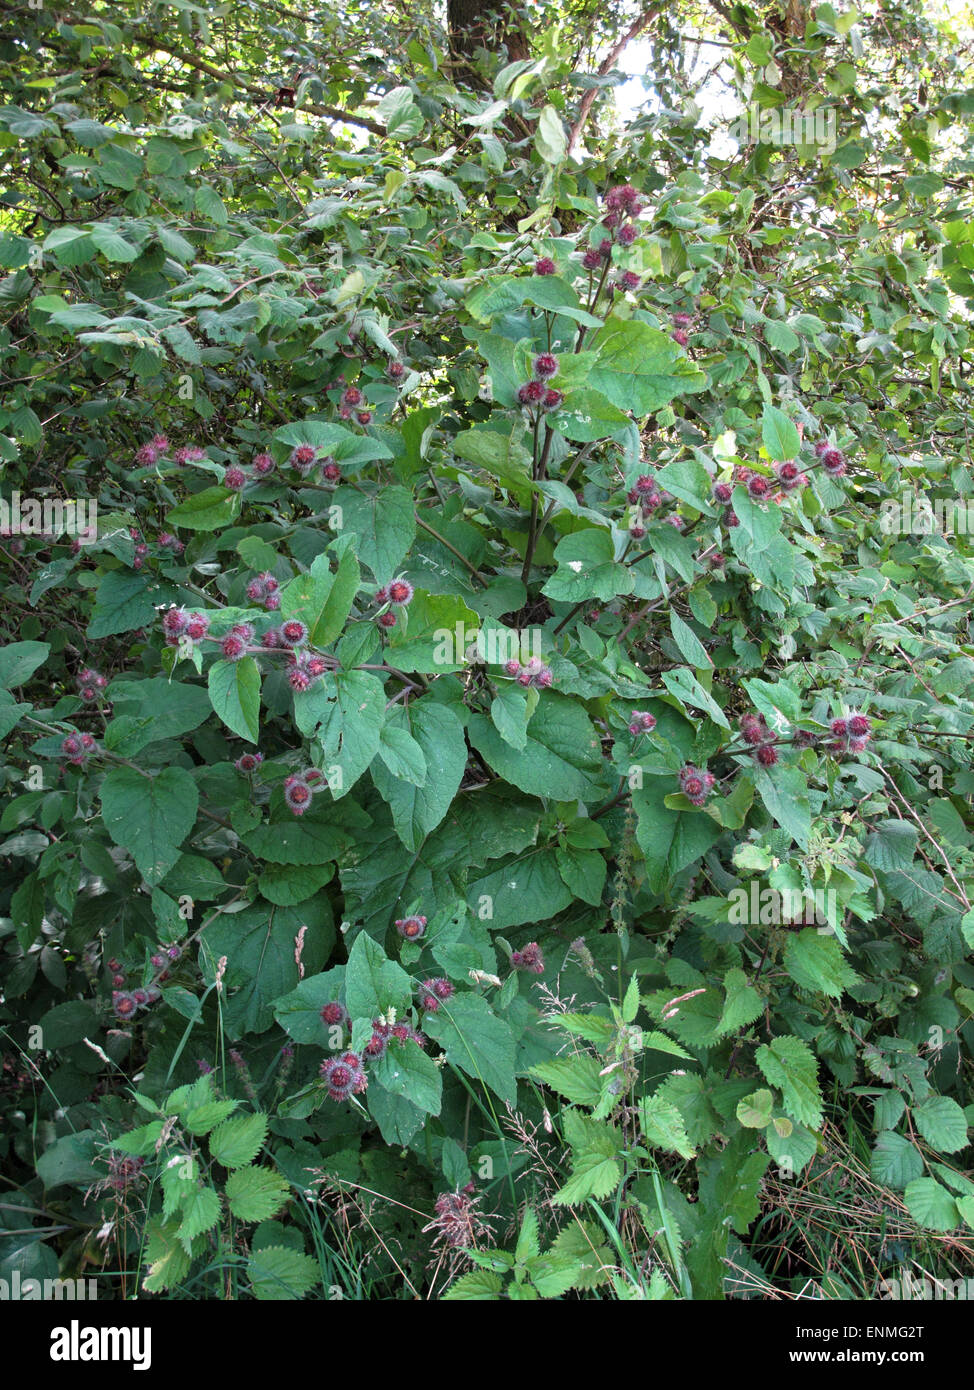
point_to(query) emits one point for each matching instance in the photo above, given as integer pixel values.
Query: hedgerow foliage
(511, 607)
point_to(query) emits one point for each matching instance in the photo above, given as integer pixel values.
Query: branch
(606, 66)
(334, 113)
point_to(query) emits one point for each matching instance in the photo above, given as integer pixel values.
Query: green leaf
(754, 1111)
(587, 568)
(639, 368)
(815, 961)
(200, 1213)
(165, 1255)
(209, 510)
(322, 600)
(234, 688)
(373, 983)
(778, 435)
(259, 944)
(313, 838)
(385, 526)
(790, 1064)
(785, 796)
(480, 1285)
(662, 1126)
(237, 1142)
(477, 1041)
(562, 758)
(19, 661)
(345, 713)
(278, 1272)
(596, 1169)
(399, 113)
(584, 872)
(288, 884)
(200, 1119)
(510, 711)
(437, 735)
(405, 1070)
(550, 139)
(576, 1078)
(931, 1205)
(895, 1162)
(256, 1194)
(122, 603)
(149, 816)
(942, 1123)
(691, 648)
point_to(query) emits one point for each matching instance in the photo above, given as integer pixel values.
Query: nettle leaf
(279, 1272)
(790, 1064)
(234, 688)
(662, 1126)
(256, 1194)
(576, 1078)
(166, 1257)
(596, 1169)
(639, 368)
(150, 816)
(815, 961)
(238, 1141)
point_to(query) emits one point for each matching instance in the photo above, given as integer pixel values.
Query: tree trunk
(477, 24)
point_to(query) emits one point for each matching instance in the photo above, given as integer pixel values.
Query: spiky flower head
(411, 928)
(400, 592)
(529, 958)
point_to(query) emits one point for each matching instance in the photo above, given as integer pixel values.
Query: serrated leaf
(236, 1142)
(256, 1194)
(278, 1272)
